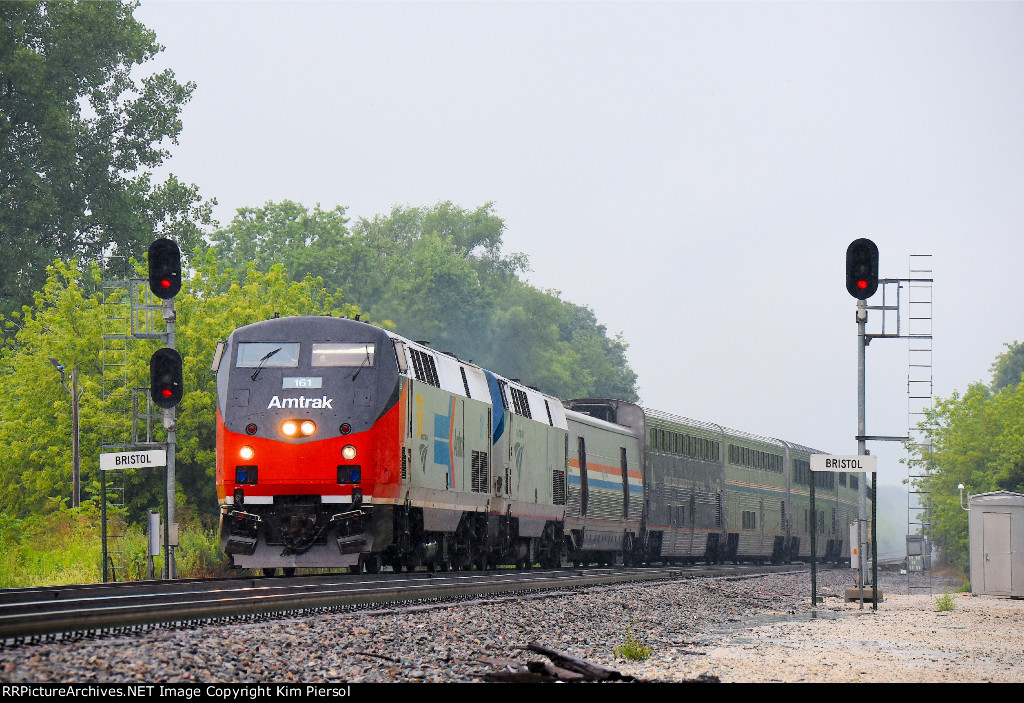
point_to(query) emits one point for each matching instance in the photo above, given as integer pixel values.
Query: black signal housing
(862, 268)
(164, 268)
(165, 378)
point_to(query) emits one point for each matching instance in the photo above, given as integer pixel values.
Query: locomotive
(341, 444)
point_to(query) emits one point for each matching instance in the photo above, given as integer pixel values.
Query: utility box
(156, 533)
(996, 531)
(918, 558)
(855, 544)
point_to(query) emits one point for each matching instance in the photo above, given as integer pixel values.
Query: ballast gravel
(760, 629)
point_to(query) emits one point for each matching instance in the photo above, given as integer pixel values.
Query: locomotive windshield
(267, 354)
(342, 354)
(286, 354)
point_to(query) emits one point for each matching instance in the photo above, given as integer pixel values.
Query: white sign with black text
(133, 460)
(850, 463)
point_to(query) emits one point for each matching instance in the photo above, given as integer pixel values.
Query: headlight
(348, 452)
(307, 427)
(246, 453)
(289, 428)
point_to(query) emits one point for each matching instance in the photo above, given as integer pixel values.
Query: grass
(945, 603)
(65, 547)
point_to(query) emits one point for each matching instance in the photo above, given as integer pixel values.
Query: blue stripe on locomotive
(610, 485)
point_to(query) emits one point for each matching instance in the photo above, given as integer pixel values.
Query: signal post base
(853, 595)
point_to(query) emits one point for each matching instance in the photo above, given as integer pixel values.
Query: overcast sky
(691, 171)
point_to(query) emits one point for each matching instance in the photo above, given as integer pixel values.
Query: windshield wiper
(362, 364)
(263, 361)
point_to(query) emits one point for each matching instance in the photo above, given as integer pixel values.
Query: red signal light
(164, 283)
(862, 284)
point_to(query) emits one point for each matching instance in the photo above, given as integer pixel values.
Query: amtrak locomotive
(340, 444)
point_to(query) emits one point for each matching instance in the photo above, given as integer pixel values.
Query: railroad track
(74, 611)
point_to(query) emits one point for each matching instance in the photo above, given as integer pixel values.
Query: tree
(558, 346)
(976, 439)
(79, 137)
(306, 243)
(1008, 366)
(35, 411)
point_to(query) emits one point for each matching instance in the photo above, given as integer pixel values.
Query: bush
(632, 649)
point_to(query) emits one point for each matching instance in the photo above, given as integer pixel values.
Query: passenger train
(341, 444)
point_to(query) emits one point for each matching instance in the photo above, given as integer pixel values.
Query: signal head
(862, 268)
(165, 378)
(164, 268)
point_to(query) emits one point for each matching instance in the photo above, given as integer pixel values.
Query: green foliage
(284, 233)
(632, 649)
(945, 603)
(79, 135)
(977, 439)
(60, 547)
(35, 410)
(1008, 367)
(438, 274)
(64, 546)
(198, 554)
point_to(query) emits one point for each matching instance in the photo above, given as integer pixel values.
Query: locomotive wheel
(267, 571)
(288, 571)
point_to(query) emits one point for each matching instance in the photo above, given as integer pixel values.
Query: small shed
(996, 530)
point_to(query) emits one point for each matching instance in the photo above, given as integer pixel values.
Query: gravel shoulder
(907, 640)
(736, 629)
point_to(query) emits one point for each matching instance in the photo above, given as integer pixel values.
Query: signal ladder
(920, 396)
(127, 414)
